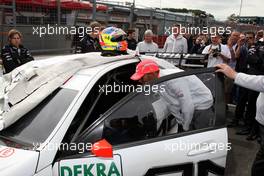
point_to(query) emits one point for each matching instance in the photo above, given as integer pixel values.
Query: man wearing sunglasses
(14, 54)
(252, 64)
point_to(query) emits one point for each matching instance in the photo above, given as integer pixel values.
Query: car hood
(17, 161)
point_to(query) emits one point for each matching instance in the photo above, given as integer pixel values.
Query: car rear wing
(181, 60)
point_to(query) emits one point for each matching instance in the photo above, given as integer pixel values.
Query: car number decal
(187, 169)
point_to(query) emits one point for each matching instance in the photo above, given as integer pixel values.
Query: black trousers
(241, 103)
(250, 97)
(202, 119)
(258, 165)
(251, 111)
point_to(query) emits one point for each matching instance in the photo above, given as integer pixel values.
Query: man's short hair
(95, 24)
(235, 31)
(260, 32)
(251, 33)
(130, 31)
(13, 32)
(216, 34)
(148, 32)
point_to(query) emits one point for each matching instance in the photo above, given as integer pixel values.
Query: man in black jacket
(90, 42)
(131, 41)
(14, 54)
(255, 66)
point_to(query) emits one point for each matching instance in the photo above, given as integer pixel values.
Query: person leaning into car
(14, 54)
(187, 99)
(256, 83)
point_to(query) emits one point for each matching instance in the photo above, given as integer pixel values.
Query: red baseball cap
(144, 67)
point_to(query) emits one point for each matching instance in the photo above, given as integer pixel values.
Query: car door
(148, 139)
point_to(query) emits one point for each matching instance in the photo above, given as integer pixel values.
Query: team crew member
(147, 45)
(176, 43)
(90, 42)
(187, 99)
(255, 65)
(255, 83)
(131, 41)
(14, 54)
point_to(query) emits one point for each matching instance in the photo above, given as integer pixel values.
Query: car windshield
(35, 127)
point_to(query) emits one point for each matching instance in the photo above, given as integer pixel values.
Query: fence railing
(181, 60)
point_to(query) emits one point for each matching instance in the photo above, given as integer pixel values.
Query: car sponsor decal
(6, 152)
(92, 166)
(187, 169)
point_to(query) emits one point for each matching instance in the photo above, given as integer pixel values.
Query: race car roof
(91, 59)
(26, 86)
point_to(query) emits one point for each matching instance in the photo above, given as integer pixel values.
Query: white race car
(69, 133)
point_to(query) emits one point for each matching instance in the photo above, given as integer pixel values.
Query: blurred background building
(26, 14)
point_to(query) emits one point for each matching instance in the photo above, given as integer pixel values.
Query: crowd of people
(238, 50)
(241, 52)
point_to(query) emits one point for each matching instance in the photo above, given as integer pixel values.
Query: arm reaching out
(252, 82)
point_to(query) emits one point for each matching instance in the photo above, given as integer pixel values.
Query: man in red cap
(146, 71)
(187, 98)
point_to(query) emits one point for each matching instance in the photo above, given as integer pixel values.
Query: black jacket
(255, 59)
(241, 65)
(197, 49)
(89, 44)
(132, 44)
(14, 57)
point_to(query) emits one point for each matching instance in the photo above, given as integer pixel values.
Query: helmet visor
(118, 38)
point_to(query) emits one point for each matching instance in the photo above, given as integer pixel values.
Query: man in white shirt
(175, 42)
(255, 83)
(187, 98)
(147, 45)
(233, 47)
(217, 53)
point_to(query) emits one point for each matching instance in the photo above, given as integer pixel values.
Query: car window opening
(97, 103)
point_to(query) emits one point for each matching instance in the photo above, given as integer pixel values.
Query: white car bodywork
(40, 161)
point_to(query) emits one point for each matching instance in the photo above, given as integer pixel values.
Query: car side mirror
(102, 149)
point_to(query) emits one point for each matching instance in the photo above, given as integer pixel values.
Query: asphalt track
(242, 154)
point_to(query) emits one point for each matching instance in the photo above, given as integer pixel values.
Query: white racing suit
(189, 100)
